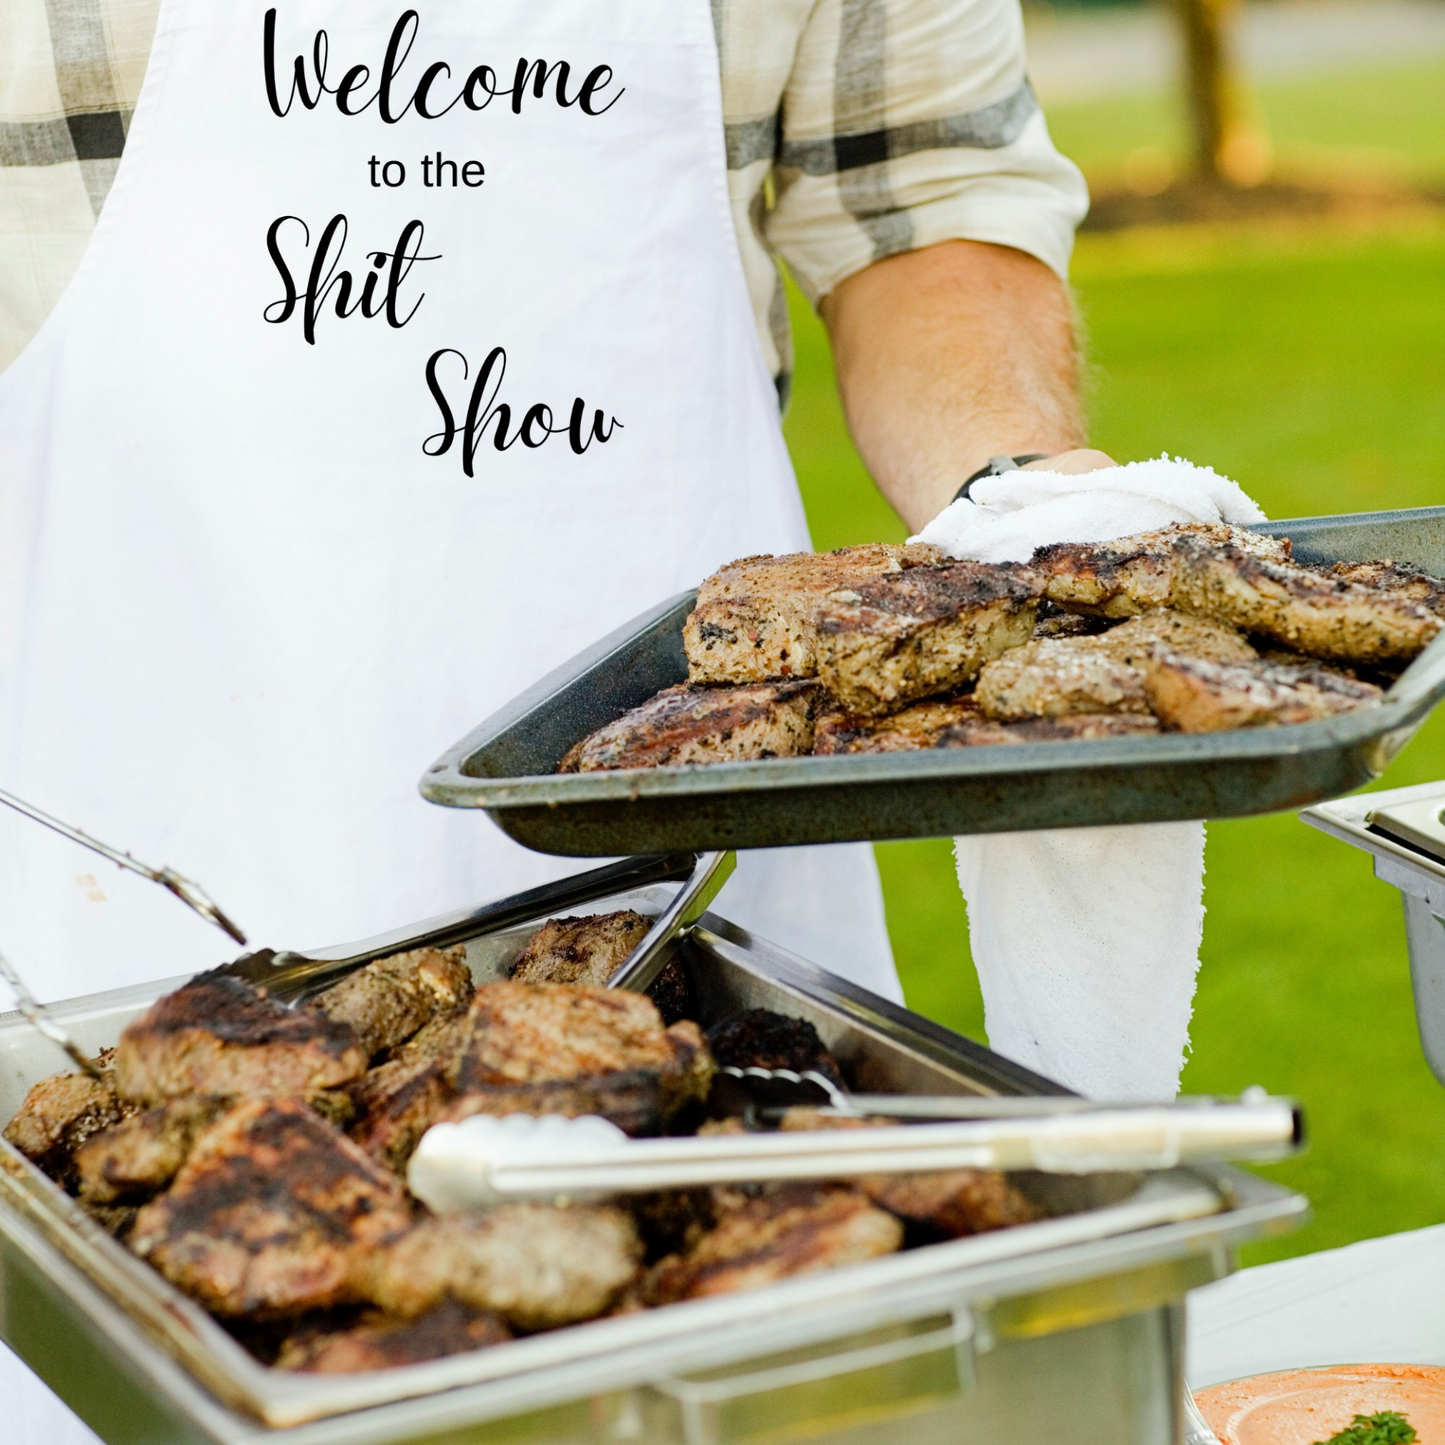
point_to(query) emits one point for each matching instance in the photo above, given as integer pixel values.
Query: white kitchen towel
(1087, 940)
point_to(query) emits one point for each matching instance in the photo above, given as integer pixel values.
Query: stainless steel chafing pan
(1068, 1325)
(507, 766)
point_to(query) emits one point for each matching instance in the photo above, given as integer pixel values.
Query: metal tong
(486, 1160)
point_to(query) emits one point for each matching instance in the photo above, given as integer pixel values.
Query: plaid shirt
(855, 129)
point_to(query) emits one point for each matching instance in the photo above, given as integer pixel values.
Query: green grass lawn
(1312, 369)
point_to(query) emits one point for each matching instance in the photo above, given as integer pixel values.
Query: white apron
(255, 579)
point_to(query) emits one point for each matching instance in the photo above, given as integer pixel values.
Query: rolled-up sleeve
(909, 122)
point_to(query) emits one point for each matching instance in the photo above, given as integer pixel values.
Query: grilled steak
(59, 1114)
(947, 1204)
(754, 619)
(1323, 616)
(389, 1000)
(140, 1156)
(581, 950)
(787, 1230)
(439, 1041)
(536, 1265)
(382, 1342)
(566, 1049)
(1195, 696)
(1065, 676)
(1396, 578)
(220, 1037)
(272, 1214)
(761, 1039)
(396, 1103)
(693, 725)
(892, 640)
(1133, 574)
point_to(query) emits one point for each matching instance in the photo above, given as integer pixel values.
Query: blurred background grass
(1307, 360)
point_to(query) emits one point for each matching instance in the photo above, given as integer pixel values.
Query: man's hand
(949, 356)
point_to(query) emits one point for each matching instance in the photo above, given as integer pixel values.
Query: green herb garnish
(1388, 1427)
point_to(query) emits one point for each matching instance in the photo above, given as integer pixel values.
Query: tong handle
(639, 972)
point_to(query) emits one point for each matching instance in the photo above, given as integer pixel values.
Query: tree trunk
(1229, 148)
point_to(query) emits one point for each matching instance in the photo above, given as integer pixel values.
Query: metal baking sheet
(507, 765)
(142, 1362)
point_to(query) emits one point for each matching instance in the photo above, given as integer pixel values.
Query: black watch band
(996, 467)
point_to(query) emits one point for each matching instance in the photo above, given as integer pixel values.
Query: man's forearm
(948, 356)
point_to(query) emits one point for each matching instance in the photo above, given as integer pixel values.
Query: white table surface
(1379, 1301)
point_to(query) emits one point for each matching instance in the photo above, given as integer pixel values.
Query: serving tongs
(487, 1160)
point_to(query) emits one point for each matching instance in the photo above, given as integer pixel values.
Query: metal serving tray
(1068, 1328)
(507, 766)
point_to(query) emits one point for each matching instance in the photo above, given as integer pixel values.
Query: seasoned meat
(219, 1036)
(892, 640)
(1323, 616)
(382, 1342)
(139, 1157)
(396, 1103)
(568, 1049)
(789, 1230)
(754, 619)
(1195, 696)
(1082, 727)
(440, 1041)
(272, 1213)
(1053, 623)
(948, 1204)
(687, 725)
(1067, 676)
(58, 1115)
(581, 950)
(761, 1039)
(389, 1000)
(1394, 577)
(536, 1265)
(1132, 574)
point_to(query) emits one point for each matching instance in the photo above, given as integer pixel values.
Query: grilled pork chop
(272, 1214)
(1066, 676)
(137, 1158)
(581, 950)
(1133, 574)
(567, 1049)
(754, 618)
(1394, 577)
(892, 640)
(60, 1113)
(1192, 695)
(396, 1103)
(536, 1265)
(383, 1342)
(390, 999)
(218, 1036)
(1313, 613)
(758, 1038)
(689, 725)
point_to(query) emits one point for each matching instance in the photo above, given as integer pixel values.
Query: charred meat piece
(1067, 676)
(220, 1037)
(536, 1265)
(754, 619)
(382, 1342)
(892, 640)
(1323, 616)
(440, 1041)
(581, 950)
(1195, 696)
(687, 725)
(1082, 727)
(140, 1156)
(1396, 578)
(389, 1000)
(1053, 623)
(567, 1049)
(761, 1039)
(789, 1230)
(946, 1204)
(396, 1103)
(271, 1214)
(1133, 574)
(58, 1115)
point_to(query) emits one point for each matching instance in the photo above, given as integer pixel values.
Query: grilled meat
(396, 1103)
(567, 1049)
(440, 1041)
(389, 1000)
(581, 950)
(891, 640)
(536, 1265)
(1067, 676)
(220, 1037)
(686, 725)
(1133, 574)
(788, 1230)
(382, 1342)
(754, 618)
(1054, 623)
(947, 1204)
(133, 1160)
(1395, 578)
(761, 1039)
(272, 1214)
(1196, 696)
(59, 1114)
(1323, 616)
